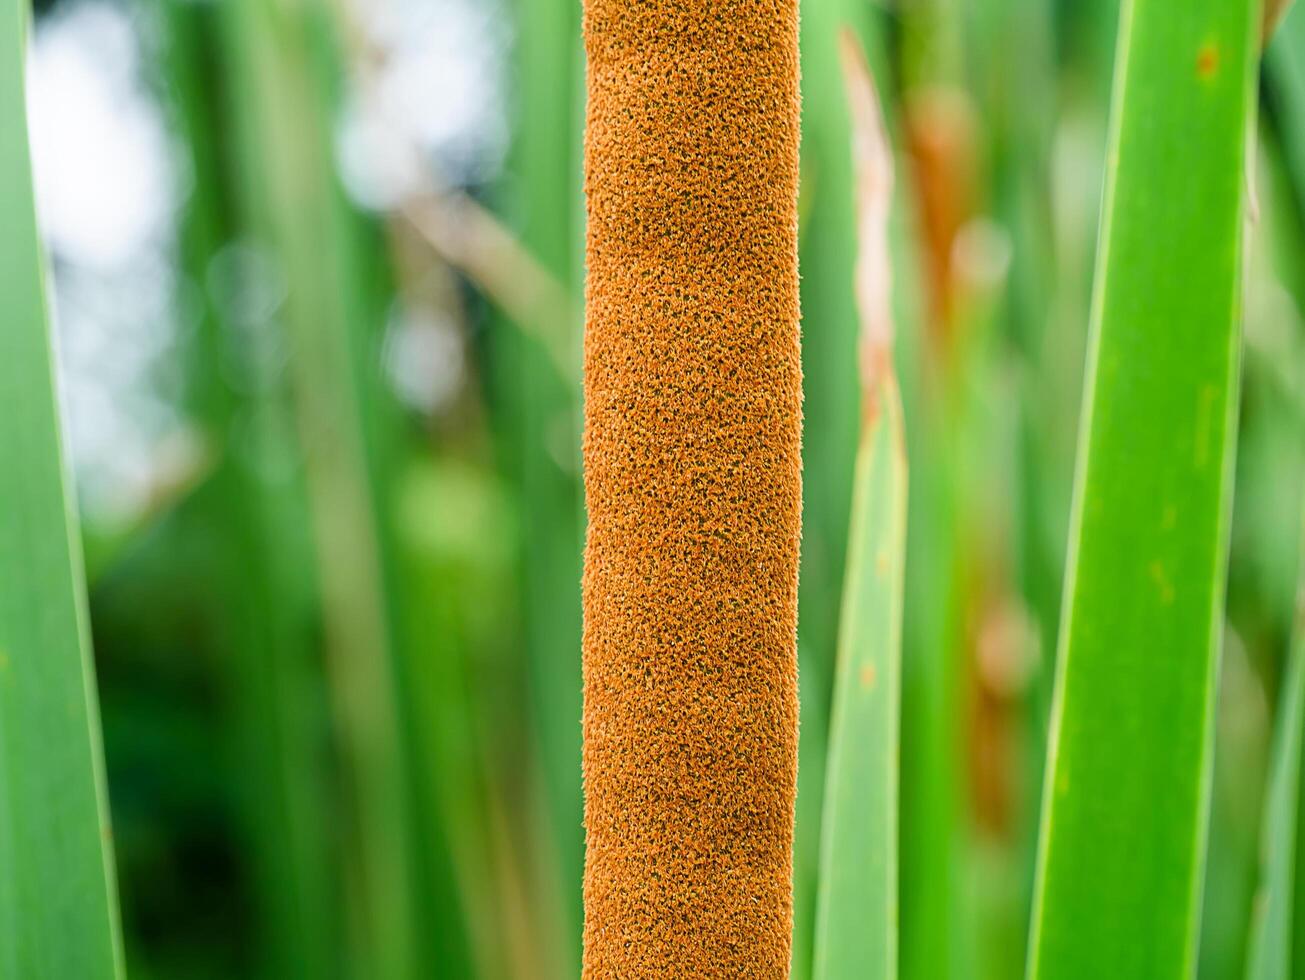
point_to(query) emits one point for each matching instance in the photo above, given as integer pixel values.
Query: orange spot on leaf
(1207, 60)
(868, 677)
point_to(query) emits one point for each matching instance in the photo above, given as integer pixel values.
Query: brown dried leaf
(1274, 10)
(872, 161)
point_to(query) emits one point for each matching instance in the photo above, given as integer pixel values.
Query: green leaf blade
(1124, 813)
(856, 901)
(1277, 940)
(857, 907)
(58, 911)
(1272, 955)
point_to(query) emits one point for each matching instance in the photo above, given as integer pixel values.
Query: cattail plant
(692, 471)
(58, 903)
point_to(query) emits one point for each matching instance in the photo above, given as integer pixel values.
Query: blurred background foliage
(318, 289)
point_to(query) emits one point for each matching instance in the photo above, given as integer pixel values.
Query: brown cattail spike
(693, 484)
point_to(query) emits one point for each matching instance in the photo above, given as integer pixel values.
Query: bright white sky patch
(438, 96)
(107, 197)
(103, 179)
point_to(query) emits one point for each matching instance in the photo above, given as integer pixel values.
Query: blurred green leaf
(535, 400)
(830, 408)
(284, 65)
(1285, 63)
(1278, 933)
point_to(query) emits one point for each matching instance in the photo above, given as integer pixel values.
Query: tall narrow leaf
(539, 424)
(1124, 810)
(280, 56)
(268, 657)
(827, 239)
(1278, 935)
(58, 912)
(856, 919)
(1285, 62)
(1277, 952)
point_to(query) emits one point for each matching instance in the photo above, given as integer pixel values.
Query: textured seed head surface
(693, 486)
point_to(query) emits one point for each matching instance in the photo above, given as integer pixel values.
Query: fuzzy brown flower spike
(693, 483)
